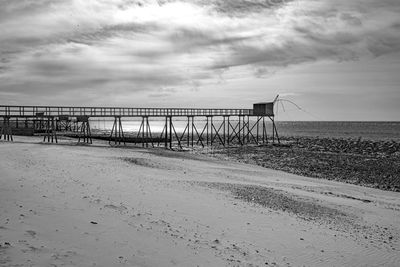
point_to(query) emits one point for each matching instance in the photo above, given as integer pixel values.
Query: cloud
(163, 92)
(133, 46)
(322, 30)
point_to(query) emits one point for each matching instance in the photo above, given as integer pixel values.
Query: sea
(367, 130)
(370, 130)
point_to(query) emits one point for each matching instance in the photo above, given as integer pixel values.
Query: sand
(69, 205)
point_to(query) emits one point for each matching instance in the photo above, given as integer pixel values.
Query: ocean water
(341, 129)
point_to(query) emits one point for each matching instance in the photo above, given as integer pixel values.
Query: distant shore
(363, 162)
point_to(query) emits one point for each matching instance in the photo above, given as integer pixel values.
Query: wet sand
(69, 205)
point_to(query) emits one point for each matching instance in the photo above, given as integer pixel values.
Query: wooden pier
(203, 127)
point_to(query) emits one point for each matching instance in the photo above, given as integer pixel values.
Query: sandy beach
(74, 205)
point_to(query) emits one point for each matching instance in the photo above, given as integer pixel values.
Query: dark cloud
(241, 8)
(187, 39)
(10, 9)
(351, 19)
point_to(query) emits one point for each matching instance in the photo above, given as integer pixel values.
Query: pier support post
(239, 131)
(216, 135)
(207, 130)
(85, 133)
(50, 129)
(188, 131)
(6, 130)
(274, 131)
(264, 132)
(144, 132)
(211, 130)
(228, 130)
(117, 133)
(166, 133)
(170, 132)
(258, 128)
(149, 135)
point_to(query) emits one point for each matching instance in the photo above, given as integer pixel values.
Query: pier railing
(56, 111)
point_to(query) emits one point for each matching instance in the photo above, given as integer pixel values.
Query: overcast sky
(337, 59)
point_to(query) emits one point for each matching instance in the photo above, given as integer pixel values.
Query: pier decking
(33, 111)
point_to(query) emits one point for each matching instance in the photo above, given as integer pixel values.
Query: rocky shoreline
(362, 162)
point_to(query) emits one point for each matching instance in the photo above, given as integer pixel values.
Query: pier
(201, 127)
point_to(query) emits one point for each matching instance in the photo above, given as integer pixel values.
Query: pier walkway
(33, 111)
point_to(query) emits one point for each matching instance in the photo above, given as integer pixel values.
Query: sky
(336, 59)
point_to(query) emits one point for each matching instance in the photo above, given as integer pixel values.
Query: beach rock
(363, 162)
